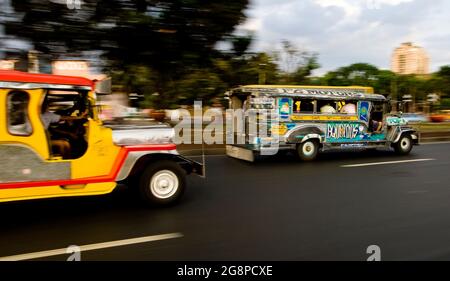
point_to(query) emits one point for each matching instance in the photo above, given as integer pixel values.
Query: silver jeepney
(311, 119)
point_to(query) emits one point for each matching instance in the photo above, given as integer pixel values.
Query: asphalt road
(275, 209)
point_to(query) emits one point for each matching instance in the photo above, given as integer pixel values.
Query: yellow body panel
(38, 139)
(14, 194)
(98, 161)
(100, 156)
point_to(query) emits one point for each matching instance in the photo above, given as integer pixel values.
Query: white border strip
(90, 247)
(386, 163)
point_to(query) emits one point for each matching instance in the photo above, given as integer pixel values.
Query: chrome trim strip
(29, 86)
(133, 157)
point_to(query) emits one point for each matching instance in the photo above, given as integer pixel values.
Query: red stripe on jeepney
(120, 159)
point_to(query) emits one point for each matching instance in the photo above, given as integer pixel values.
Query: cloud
(349, 31)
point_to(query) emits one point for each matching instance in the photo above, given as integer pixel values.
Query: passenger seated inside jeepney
(376, 122)
(349, 108)
(327, 109)
(60, 139)
(376, 118)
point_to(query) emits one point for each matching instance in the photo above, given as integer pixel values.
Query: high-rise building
(410, 59)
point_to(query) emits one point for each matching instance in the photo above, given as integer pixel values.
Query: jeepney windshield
(262, 103)
(70, 103)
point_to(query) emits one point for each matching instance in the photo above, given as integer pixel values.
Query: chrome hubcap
(405, 143)
(308, 149)
(164, 184)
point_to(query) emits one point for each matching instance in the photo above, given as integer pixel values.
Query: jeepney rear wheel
(404, 145)
(162, 183)
(308, 150)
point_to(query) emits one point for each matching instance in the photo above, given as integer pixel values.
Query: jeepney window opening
(347, 107)
(303, 106)
(327, 107)
(17, 117)
(68, 104)
(377, 111)
(344, 107)
(376, 116)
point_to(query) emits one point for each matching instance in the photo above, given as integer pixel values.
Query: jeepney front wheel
(404, 145)
(162, 183)
(308, 150)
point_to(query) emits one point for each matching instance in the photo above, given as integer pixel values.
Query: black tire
(404, 145)
(168, 186)
(308, 150)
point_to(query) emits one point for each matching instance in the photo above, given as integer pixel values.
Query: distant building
(8, 64)
(410, 59)
(79, 68)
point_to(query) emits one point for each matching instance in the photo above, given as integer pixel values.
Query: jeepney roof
(317, 92)
(24, 80)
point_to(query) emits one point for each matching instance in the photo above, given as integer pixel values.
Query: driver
(60, 146)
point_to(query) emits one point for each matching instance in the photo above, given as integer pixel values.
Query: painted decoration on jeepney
(342, 131)
(284, 107)
(350, 132)
(281, 128)
(364, 111)
(395, 121)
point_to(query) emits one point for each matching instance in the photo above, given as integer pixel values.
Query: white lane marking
(386, 163)
(90, 247)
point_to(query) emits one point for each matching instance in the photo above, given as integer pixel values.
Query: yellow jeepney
(52, 144)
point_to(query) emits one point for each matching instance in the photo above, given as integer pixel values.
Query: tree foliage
(167, 50)
(168, 38)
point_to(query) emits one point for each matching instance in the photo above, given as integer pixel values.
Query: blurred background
(164, 55)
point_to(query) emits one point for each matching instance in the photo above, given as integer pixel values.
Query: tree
(258, 68)
(303, 72)
(297, 65)
(240, 44)
(444, 75)
(168, 37)
(385, 84)
(362, 74)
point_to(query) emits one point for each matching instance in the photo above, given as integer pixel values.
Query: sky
(343, 32)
